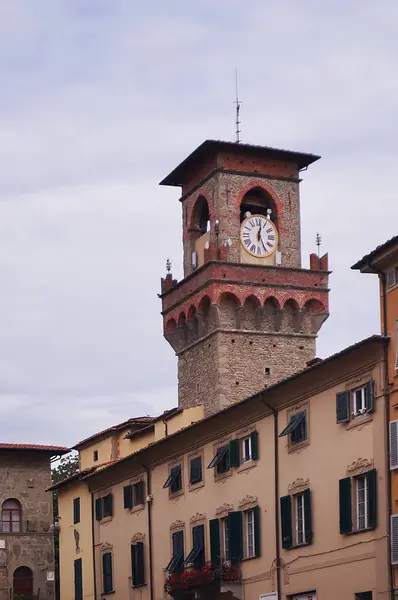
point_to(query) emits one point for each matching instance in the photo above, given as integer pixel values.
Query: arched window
(11, 516)
(201, 216)
(257, 202)
(23, 582)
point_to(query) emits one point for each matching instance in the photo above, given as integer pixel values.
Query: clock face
(259, 236)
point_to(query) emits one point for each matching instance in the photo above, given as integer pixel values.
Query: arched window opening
(11, 516)
(201, 216)
(257, 202)
(23, 582)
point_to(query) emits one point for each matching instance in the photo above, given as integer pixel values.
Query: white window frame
(250, 534)
(244, 456)
(300, 519)
(225, 538)
(365, 502)
(361, 409)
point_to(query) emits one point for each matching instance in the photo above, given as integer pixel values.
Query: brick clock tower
(246, 314)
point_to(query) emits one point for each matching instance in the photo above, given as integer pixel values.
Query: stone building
(26, 538)
(246, 313)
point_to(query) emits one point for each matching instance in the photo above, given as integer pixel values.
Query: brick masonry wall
(24, 476)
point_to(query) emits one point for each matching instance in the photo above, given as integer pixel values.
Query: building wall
(24, 476)
(75, 540)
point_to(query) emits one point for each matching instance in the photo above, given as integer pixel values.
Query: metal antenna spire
(238, 103)
(318, 242)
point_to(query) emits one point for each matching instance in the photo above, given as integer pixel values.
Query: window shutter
(78, 579)
(369, 396)
(198, 538)
(76, 511)
(215, 551)
(257, 538)
(133, 564)
(343, 407)
(393, 444)
(108, 505)
(107, 573)
(307, 516)
(286, 518)
(139, 564)
(235, 536)
(128, 496)
(234, 459)
(372, 487)
(394, 539)
(195, 474)
(98, 509)
(345, 505)
(139, 492)
(178, 550)
(254, 444)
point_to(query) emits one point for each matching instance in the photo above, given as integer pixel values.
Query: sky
(99, 100)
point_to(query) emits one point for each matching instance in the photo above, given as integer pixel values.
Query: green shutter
(234, 460)
(345, 505)
(107, 581)
(138, 564)
(343, 407)
(98, 509)
(369, 395)
(108, 505)
(78, 579)
(286, 520)
(235, 536)
(198, 539)
(307, 516)
(178, 550)
(257, 535)
(215, 550)
(76, 511)
(254, 444)
(372, 490)
(133, 564)
(139, 492)
(128, 496)
(195, 468)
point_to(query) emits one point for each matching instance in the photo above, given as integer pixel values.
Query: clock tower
(246, 313)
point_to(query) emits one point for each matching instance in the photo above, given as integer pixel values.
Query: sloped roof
(134, 421)
(365, 260)
(35, 447)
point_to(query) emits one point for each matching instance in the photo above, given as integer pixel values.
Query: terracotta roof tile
(38, 447)
(364, 261)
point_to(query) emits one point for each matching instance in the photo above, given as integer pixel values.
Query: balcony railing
(194, 577)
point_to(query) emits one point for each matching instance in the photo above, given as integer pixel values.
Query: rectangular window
(297, 428)
(300, 519)
(246, 449)
(176, 563)
(392, 276)
(358, 401)
(195, 470)
(197, 555)
(104, 507)
(225, 539)
(364, 596)
(138, 493)
(137, 564)
(396, 346)
(107, 579)
(362, 502)
(78, 574)
(250, 536)
(76, 511)
(95, 455)
(174, 480)
(128, 496)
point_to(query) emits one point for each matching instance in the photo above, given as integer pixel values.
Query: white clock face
(259, 236)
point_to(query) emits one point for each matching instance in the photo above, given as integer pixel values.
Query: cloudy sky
(102, 98)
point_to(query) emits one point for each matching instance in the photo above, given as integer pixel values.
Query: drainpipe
(276, 498)
(149, 513)
(93, 543)
(390, 567)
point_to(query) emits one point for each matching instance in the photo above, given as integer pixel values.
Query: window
(76, 511)
(354, 403)
(246, 449)
(176, 563)
(95, 455)
(392, 277)
(78, 574)
(137, 564)
(393, 445)
(363, 596)
(107, 579)
(195, 470)
(358, 502)
(297, 428)
(396, 346)
(174, 480)
(394, 539)
(296, 519)
(225, 539)
(249, 516)
(104, 507)
(134, 494)
(221, 460)
(11, 516)
(197, 555)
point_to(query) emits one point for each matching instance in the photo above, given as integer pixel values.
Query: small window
(225, 538)
(358, 401)
(195, 470)
(246, 449)
(392, 276)
(250, 534)
(11, 516)
(76, 511)
(300, 519)
(354, 403)
(221, 460)
(107, 577)
(296, 429)
(104, 507)
(364, 596)
(138, 493)
(95, 455)
(362, 502)
(174, 480)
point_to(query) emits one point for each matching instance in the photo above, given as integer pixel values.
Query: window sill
(247, 558)
(356, 531)
(359, 421)
(105, 594)
(196, 486)
(103, 521)
(245, 466)
(297, 446)
(296, 546)
(137, 508)
(222, 476)
(139, 585)
(173, 495)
